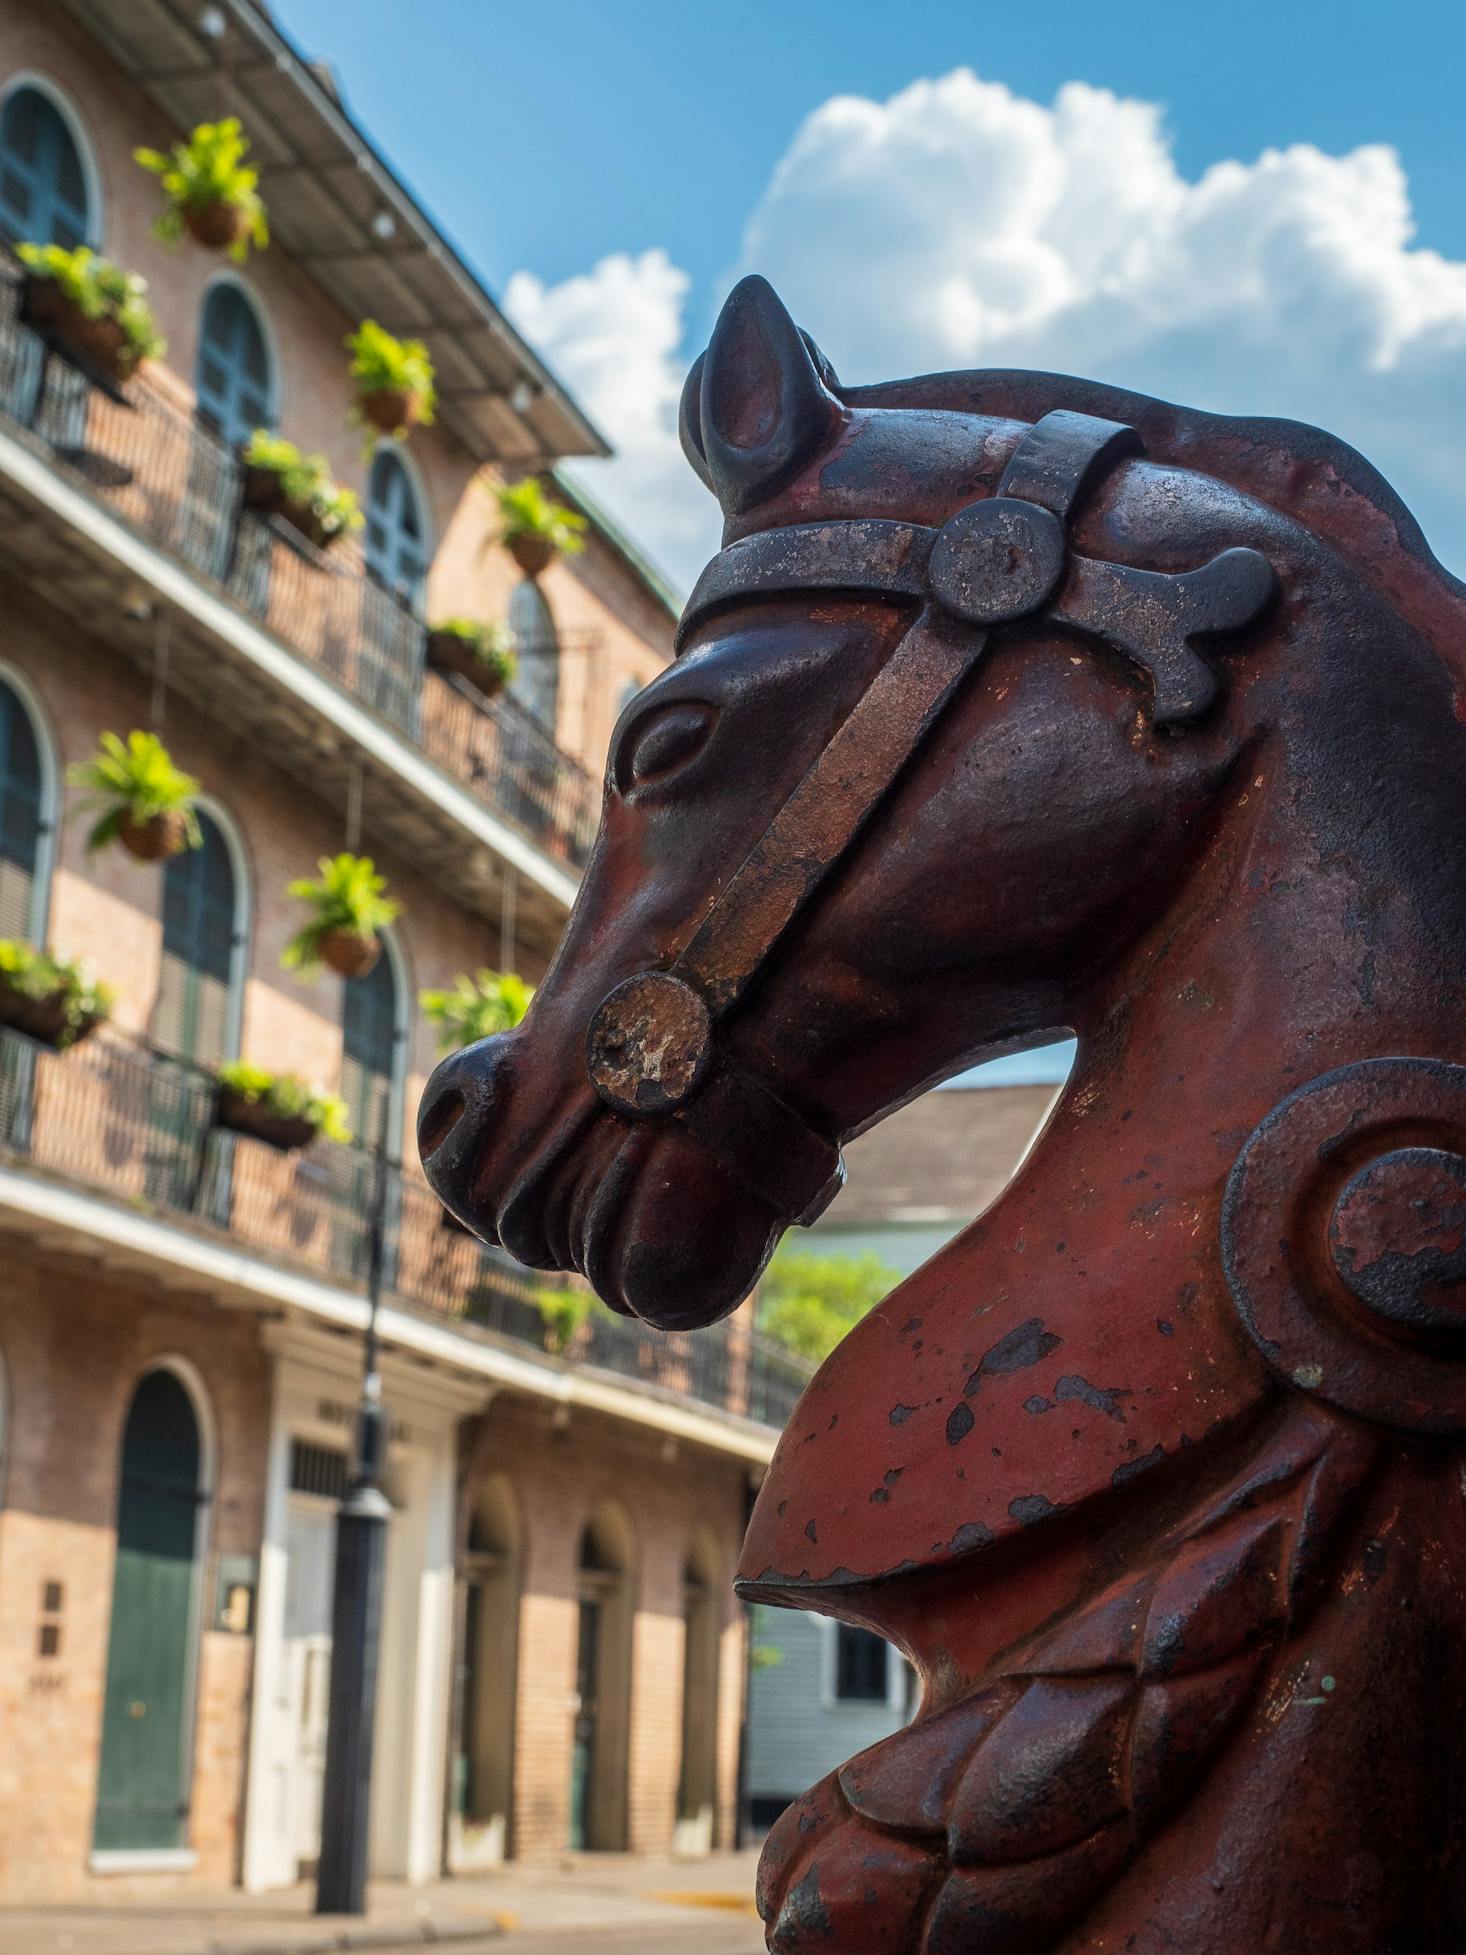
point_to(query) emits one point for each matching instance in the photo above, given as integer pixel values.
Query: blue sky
(547, 137)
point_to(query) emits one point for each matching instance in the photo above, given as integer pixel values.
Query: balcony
(147, 462)
(114, 1118)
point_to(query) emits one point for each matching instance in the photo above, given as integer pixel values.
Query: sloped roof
(943, 1158)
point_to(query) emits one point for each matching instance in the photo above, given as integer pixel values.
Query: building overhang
(89, 1228)
(340, 211)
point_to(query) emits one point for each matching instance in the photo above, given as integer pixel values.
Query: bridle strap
(825, 813)
(652, 1050)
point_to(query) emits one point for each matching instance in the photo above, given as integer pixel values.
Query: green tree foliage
(810, 1301)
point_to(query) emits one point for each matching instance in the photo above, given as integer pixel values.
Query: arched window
(144, 1780)
(372, 1045)
(23, 819)
(537, 682)
(44, 194)
(396, 532)
(234, 381)
(195, 1016)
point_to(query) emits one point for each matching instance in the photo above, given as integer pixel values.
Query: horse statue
(1015, 705)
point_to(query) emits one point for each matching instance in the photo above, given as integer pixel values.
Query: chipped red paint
(1016, 704)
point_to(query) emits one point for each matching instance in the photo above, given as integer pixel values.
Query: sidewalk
(590, 1891)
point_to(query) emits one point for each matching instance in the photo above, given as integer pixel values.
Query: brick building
(182, 1311)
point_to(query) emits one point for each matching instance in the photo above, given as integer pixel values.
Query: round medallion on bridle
(997, 561)
(1344, 1241)
(649, 1044)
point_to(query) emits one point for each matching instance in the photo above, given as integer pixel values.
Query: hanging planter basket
(264, 493)
(237, 1113)
(392, 410)
(449, 651)
(218, 227)
(532, 553)
(99, 343)
(349, 952)
(47, 1020)
(155, 839)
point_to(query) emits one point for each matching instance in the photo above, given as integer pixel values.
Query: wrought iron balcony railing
(175, 481)
(116, 1118)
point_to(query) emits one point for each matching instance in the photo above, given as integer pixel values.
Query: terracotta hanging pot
(449, 652)
(218, 226)
(98, 343)
(350, 952)
(44, 1019)
(238, 1114)
(532, 553)
(156, 838)
(392, 409)
(264, 494)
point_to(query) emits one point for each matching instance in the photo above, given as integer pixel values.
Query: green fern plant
(528, 514)
(395, 385)
(134, 782)
(304, 482)
(204, 175)
(349, 896)
(40, 977)
(476, 1007)
(564, 1312)
(288, 1095)
(101, 292)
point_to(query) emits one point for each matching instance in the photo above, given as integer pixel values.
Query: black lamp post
(356, 1619)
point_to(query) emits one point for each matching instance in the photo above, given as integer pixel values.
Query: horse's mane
(1313, 477)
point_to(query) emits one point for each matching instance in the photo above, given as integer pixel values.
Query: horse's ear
(689, 422)
(763, 405)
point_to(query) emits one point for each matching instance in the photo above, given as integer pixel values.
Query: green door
(583, 1752)
(142, 1793)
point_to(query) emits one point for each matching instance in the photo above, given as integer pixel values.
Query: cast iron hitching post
(356, 1620)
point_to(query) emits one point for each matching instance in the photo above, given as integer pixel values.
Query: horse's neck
(1282, 959)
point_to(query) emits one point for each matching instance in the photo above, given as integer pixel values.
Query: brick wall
(75, 1343)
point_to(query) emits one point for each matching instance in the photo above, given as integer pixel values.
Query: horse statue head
(1014, 706)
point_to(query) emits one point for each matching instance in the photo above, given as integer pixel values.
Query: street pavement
(605, 1904)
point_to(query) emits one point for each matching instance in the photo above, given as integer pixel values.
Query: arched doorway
(484, 1771)
(536, 684)
(234, 378)
(600, 1748)
(373, 1061)
(397, 553)
(196, 1014)
(697, 1788)
(147, 1721)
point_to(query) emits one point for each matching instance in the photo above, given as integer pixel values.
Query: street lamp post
(356, 1618)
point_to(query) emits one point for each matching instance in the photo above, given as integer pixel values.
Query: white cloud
(958, 224)
(613, 336)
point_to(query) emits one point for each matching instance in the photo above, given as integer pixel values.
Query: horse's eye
(661, 742)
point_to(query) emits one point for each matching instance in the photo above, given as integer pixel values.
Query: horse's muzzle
(457, 1107)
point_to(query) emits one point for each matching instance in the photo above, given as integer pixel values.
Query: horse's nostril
(439, 1120)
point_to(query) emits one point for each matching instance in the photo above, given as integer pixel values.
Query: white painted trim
(261, 1866)
(50, 798)
(231, 1268)
(246, 290)
(65, 106)
(174, 585)
(144, 1860)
